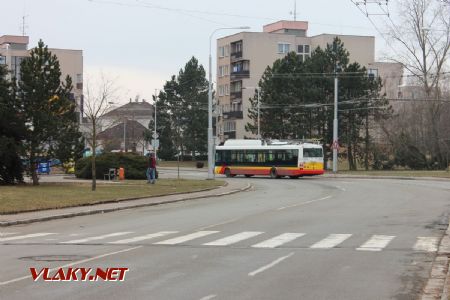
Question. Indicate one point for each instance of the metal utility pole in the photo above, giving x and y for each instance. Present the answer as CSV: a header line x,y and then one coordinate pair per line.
x,y
155,134
335,123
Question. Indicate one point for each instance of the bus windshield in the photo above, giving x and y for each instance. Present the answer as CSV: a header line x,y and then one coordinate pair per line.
x,y
312,152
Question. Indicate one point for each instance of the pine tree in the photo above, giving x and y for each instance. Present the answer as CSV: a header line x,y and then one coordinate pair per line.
x,y
11,133
48,110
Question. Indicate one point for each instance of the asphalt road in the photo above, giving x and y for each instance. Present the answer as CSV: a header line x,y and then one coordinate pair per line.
x,y
311,238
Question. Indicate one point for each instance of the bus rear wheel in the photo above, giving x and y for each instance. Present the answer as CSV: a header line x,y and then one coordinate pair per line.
x,y
248,175
227,173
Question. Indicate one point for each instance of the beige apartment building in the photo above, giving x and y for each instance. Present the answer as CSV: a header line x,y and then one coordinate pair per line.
x,y
13,49
243,57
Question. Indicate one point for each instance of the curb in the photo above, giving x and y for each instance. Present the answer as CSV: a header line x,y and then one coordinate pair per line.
x,y
100,211
386,177
437,284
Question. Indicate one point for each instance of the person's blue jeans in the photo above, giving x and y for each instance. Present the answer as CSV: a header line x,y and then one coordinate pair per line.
x,y
151,178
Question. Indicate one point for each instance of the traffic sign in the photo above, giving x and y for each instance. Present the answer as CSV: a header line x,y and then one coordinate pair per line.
x,y
155,145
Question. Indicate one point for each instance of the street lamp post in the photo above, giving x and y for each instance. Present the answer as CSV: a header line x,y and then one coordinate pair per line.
x,y
335,144
210,131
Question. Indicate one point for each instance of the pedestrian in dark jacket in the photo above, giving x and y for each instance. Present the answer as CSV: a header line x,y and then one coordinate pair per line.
x,y
151,169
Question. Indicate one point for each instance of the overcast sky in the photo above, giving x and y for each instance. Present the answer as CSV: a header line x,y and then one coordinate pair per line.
x,y
142,43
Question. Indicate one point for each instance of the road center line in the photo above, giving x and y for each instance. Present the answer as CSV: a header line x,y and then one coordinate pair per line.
x,y
72,264
304,203
272,264
209,297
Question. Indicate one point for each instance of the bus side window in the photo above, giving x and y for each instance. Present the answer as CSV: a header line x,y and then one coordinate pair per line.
x,y
261,158
218,157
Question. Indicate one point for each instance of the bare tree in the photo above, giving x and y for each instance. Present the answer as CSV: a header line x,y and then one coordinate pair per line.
x,y
98,99
420,38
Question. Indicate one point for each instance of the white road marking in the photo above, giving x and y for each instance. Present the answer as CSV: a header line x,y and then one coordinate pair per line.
x,y
72,264
233,239
331,241
376,243
217,224
143,237
340,188
27,236
275,262
278,240
209,297
185,238
304,203
7,233
427,244
96,238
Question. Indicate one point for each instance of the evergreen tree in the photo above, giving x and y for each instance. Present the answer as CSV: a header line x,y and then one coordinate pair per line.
x,y
192,88
11,133
297,100
48,110
182,112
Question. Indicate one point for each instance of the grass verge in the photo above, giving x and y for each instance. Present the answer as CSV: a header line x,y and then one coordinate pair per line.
x,y
14,199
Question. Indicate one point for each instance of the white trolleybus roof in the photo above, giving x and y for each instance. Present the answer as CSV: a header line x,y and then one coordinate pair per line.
x,y
268,144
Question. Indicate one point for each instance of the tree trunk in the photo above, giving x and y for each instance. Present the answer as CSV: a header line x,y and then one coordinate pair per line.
x,y
33,170
94,146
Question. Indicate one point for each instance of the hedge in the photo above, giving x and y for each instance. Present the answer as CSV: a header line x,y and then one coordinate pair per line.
x,y
134,165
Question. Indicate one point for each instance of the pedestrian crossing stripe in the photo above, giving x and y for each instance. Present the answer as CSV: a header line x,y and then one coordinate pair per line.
x,y
374,243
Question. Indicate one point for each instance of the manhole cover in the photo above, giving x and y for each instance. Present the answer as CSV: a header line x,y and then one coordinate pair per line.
x,y
55,257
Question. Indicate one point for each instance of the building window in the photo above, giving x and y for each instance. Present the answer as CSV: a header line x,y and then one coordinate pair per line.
x,y
284,48
2,60
303,52
221,51
221,90
236,86
79,78
223,71
229,126
227,89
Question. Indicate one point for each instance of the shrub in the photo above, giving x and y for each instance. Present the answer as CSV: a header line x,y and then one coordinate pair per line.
x,y
134,165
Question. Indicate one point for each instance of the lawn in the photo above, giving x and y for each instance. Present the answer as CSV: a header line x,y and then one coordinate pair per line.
x,y
23,198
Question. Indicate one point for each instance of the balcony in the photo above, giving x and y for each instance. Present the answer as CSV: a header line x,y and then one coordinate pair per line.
x,y
238,114
236,95
240,74
235,56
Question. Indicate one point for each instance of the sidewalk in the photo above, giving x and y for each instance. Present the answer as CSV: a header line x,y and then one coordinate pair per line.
x,y
231,187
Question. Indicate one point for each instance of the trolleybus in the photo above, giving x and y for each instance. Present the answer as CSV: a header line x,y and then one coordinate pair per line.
x,y
271,158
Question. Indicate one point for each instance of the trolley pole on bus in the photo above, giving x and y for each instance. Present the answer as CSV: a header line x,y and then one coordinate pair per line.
x,y
335,144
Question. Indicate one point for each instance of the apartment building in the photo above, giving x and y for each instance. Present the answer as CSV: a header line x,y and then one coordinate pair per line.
x,y
243,57
13,49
